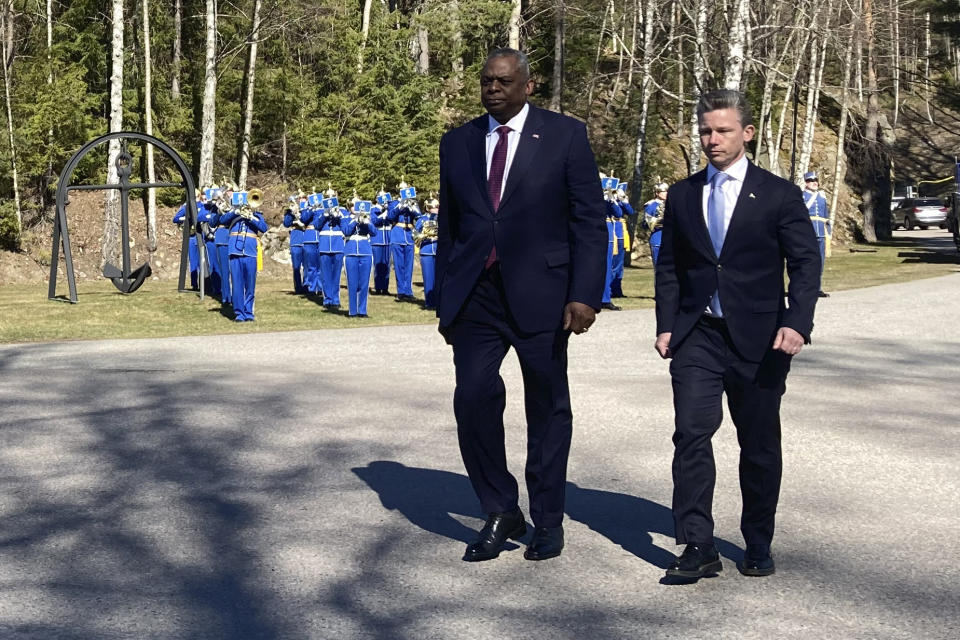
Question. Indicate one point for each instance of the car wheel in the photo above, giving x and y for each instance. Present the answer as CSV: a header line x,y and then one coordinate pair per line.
x,y
907,224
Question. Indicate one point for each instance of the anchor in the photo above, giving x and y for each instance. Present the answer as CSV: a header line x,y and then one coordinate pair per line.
x,y
125,279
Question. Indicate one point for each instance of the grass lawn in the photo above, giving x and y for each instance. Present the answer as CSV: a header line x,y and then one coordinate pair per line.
x,y
158,310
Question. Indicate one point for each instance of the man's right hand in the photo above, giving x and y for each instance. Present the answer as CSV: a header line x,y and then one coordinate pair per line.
x,y
663,344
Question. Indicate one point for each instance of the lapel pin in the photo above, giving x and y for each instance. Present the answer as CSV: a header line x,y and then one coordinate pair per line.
x,y
536,136
753,196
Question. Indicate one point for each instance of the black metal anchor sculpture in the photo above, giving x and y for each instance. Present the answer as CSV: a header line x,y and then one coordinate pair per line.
x,y
125,279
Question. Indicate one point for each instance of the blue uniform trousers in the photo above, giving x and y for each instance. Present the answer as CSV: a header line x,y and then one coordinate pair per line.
x,y
655,246
616,287
193,253
223,259
311,267
296,258
427,265
608,280
243,270
481,336
358,283
214,268
403,268
822,241
381,267
331,264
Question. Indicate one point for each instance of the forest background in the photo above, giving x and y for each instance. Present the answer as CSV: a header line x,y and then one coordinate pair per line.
x,y
293,94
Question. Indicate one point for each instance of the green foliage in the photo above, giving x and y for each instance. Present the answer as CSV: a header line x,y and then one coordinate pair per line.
x,y
8,226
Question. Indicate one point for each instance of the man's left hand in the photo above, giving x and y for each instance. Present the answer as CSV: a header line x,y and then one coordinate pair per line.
x,y
788,341
578,317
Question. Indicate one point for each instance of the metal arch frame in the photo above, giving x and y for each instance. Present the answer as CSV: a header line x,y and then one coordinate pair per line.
x,y
61,234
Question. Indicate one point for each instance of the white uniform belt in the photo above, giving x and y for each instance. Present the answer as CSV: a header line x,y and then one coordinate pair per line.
x,y
331,232
820,219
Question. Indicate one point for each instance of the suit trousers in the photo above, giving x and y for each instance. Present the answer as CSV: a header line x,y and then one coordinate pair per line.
x,y
704,367
481,336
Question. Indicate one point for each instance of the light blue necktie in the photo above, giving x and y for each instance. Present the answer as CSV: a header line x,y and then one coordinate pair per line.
x,y
716,218
716,210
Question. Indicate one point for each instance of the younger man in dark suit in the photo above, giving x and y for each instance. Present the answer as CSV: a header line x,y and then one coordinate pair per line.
x,y
521,256
721,317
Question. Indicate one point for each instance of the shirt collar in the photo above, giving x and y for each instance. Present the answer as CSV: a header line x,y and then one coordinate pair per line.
x,y
515,123
736,171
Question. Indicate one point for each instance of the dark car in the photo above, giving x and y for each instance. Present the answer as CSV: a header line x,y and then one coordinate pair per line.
x,y
919,212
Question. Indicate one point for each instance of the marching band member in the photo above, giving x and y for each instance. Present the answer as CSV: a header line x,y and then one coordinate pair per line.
x,y
291,220
426,239
245,224
330,229
653,212
207,219
403,218
380,243
193,252
622,243
310,217
629,222
358,255
816,203
221,240
609,184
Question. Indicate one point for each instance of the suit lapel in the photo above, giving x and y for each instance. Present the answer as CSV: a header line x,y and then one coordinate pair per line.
x,y
527,149
477,150
750,196
695,209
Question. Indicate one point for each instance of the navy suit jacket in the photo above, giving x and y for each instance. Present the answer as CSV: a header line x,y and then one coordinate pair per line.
x,y
770,227
550,229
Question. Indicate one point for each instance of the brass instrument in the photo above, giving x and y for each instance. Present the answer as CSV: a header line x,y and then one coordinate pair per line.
x,y
254,198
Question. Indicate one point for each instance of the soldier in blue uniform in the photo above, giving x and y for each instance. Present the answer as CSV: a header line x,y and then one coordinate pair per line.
x,y
381,242
609,185
207,219
245,225
193,252
653,212
330,229
816,203
358,255
403,218
621,247
426,240
220,201
291,220
310,217
629,222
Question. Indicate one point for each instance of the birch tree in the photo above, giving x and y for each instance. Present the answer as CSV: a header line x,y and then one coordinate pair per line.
x,y
699,72
556,85
175,62
243,159
209,116
7,29
736,43
148,126
515,17
364,31
111,230
645,87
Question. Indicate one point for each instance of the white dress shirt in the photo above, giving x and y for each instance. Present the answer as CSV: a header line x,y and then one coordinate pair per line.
x,y
731,192
513,139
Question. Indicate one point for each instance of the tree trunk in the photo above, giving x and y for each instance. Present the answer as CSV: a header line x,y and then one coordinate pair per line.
x,y
699,71
208,129
596,63
895,46
456,38
6,27
49,174
420,49
516,16
364,31
840,165
243,157
556,86
110,244
926,64
736,43
876,183
645,86
818,59
175,64
148,127
773,150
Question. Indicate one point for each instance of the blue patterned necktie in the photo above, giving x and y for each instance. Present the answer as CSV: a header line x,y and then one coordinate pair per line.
x,y
716,211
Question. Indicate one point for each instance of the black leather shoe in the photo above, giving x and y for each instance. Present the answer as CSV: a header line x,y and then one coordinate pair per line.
x,y
547,543
493,536
696,561
610,306
822,294
757,561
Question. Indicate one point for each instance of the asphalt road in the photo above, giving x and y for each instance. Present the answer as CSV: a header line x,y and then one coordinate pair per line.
x,y
308,486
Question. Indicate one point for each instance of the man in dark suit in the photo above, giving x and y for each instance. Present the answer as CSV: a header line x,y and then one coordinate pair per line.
x,y
721,317
521,257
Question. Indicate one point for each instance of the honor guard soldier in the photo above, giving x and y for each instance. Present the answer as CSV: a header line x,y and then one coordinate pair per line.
x,y
310,217
192,252
403,218
621,249
381,242
246,224
358,255
220,199
426,240
629,222
816,203
207,219
653,219
609,186
330,229
291,220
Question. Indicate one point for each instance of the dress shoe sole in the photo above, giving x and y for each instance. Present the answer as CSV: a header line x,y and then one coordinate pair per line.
x,y
516,534
756,573
527,555
703,571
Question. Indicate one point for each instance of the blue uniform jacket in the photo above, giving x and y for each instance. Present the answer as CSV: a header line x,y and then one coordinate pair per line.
x,y
358,237
382,223
243,233
310,217
817,206
428,246
330,227
291,220
614,211
403,217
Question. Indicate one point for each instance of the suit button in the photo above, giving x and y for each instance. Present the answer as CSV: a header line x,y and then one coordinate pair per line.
x,y
719,267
